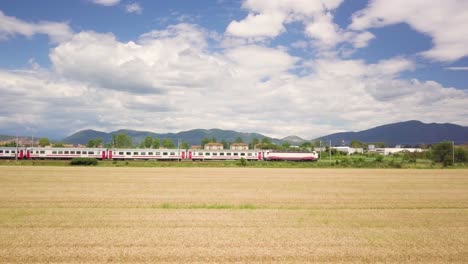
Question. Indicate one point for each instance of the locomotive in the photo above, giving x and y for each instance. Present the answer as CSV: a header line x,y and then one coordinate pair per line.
x,y
153,154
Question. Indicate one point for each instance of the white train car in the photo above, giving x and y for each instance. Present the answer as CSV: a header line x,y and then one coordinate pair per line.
x,y
11,153
147,154
290,156
65,153
204,154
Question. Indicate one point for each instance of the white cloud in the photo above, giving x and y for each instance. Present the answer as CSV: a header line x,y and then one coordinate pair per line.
x,y
106,2
169,80
267,19
457,68
444,21
11,26
134,8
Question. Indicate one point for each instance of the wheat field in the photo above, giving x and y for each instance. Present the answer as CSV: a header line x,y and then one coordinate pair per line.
x,y
241,215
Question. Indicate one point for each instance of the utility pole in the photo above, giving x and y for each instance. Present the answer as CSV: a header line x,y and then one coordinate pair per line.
x,y
178,149
16,153
329,150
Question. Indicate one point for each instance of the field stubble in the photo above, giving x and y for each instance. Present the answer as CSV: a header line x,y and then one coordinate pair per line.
x,y
62,214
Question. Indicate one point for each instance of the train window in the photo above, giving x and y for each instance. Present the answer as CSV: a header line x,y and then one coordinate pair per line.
x,y
37,151
129,153
72,152
13,152
172,153
150,153
84,152
143,153
60,152
228,154
7,151
42,152
78,152
53,152
90,152
221,154
236,154
120,153
66,152
1,151
164,153
249,154
242,154
200,153
215,154
135,153
158,153
207,153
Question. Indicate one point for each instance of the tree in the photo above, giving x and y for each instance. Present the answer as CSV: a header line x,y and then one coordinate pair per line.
x,y
148,142
254,142
442,152
44,142
94,143
380,144
184,145
167,143
286,145
239,140
156,143
461,155
10,144
357,144
225,144
123,140
213,139
58,145
266,140
307,145
205,141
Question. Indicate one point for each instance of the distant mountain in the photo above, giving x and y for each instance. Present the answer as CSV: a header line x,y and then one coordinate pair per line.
x,y
409,132
193,137
294,140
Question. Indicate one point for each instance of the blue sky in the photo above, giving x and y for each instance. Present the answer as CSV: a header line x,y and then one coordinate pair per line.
x,y
279,67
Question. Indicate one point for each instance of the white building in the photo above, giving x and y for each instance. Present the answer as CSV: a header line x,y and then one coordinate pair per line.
x,y
390,151
214,146
349,150
239,146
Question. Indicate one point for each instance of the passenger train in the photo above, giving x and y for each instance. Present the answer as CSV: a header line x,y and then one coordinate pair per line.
x,y
152,154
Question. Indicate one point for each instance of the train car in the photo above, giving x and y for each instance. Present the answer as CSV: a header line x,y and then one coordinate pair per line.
x,y
65,153
147,154
204,154
292,156
11,152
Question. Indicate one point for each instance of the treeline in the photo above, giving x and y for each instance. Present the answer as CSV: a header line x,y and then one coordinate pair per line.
x,y
444,152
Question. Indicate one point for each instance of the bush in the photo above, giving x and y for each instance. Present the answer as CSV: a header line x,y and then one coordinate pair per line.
x,y
84,162
379,158
242,162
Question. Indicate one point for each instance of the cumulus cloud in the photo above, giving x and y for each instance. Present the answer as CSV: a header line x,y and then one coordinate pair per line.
x,y
444,21
183,77
106,2
11,26
457,68
169,80
134,8
267,19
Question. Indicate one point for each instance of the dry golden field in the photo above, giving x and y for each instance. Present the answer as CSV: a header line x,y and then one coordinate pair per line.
x,y
186,215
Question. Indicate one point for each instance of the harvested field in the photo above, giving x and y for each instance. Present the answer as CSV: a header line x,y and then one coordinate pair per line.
x,y
64,214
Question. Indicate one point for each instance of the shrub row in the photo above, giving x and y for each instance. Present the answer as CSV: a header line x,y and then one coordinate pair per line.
x,y
84,162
